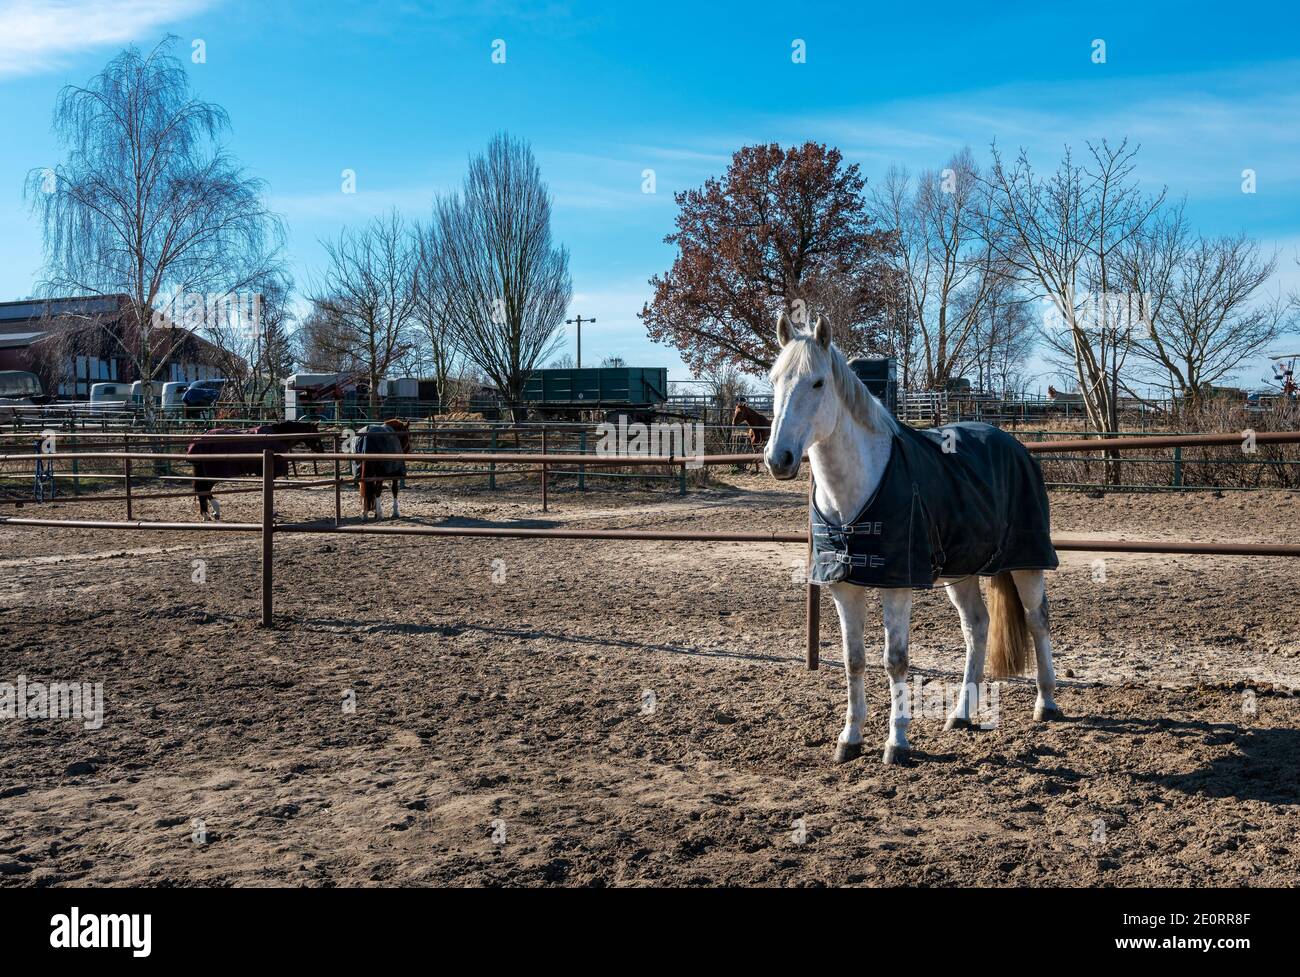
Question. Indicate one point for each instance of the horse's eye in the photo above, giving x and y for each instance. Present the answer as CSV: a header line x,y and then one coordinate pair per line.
x,y
818,384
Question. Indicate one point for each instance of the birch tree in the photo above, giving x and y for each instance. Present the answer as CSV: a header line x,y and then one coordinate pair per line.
x,y
148,204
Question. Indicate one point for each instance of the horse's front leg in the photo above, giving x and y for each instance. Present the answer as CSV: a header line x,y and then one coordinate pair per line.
x,y
897,607
966,597
851,605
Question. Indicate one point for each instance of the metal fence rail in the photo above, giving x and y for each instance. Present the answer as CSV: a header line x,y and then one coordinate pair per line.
x,y
268,528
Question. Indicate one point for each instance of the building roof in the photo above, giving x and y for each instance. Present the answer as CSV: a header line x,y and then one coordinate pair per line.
x,y
28,309
17,340
71,313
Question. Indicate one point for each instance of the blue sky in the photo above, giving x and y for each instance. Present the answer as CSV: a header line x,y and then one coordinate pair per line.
x,y
402,93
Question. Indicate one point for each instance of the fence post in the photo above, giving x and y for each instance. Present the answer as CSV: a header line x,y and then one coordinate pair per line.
x,y
126,472
681,479
582,469
268,531
338,487
492,465
1178,466
76,481
544,501
813,650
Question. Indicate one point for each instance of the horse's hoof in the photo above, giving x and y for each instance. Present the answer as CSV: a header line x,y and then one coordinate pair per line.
x,y
897,756
844,752
1046,714
958,722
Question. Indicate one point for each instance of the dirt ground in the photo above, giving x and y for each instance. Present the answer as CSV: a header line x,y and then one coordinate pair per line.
x,y
488,712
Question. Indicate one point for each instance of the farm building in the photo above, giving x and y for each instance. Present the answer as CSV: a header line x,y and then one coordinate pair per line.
x,y
74,342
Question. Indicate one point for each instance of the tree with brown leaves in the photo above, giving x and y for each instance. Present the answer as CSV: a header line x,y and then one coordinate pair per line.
x,y
783,229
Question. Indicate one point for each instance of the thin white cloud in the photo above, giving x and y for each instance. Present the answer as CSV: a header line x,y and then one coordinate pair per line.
x,y
415,202
44,35
1197,131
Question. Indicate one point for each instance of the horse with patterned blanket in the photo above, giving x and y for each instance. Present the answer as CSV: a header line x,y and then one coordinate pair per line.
x,y
897,510
393,437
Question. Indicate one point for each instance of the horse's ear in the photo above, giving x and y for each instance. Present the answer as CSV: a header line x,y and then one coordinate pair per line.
x,y
822,332
784,329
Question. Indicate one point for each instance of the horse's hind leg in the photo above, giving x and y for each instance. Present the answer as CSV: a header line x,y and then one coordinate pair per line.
x,y
851,604
203,493
1033,594
965,596
396,512
897,607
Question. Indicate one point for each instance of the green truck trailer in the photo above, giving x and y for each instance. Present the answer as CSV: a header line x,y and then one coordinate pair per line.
x,y
597,387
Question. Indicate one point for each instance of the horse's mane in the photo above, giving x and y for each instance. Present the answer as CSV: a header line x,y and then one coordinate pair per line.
x,y
803,355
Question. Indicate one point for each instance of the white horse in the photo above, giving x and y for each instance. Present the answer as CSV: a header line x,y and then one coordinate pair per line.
x,y
822,409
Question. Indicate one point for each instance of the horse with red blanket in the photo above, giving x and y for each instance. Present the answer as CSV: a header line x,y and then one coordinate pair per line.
x,y
233,441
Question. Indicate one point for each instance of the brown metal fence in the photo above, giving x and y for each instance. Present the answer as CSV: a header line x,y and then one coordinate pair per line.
x,y
268,528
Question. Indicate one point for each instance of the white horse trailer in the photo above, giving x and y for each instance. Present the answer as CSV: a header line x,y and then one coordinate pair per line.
x,y
104,396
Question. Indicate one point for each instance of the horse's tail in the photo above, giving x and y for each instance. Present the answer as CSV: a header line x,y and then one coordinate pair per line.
x,y
1008,644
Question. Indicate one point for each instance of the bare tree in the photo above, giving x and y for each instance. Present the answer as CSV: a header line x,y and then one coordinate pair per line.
x,y
1002,338
727,385
507,284
1062,237
1202,316
432,311
147,203
253,342
943,251
366,299
320,345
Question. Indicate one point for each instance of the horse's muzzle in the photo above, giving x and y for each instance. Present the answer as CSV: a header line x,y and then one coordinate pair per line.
x,y
782,465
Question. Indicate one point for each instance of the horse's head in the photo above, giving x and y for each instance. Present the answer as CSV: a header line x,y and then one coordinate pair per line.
x,y
403,431
306,433
812,386
738,415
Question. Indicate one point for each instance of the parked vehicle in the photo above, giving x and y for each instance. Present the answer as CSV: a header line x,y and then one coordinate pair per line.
x,y
171,395
106,395
18,388
201,395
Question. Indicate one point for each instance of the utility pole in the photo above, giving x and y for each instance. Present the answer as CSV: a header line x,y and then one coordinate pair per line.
x,y
578,322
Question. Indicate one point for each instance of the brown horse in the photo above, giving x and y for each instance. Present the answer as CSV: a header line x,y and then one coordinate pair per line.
x,y
760,428
393,437
209,471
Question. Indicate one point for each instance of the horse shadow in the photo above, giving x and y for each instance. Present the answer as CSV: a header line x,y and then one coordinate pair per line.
x,y
1262,768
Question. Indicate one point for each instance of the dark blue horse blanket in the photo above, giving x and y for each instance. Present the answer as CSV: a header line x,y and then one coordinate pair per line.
x,y
953,501
380,439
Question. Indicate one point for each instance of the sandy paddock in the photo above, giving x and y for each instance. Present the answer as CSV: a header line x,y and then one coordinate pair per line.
x,y
629,713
